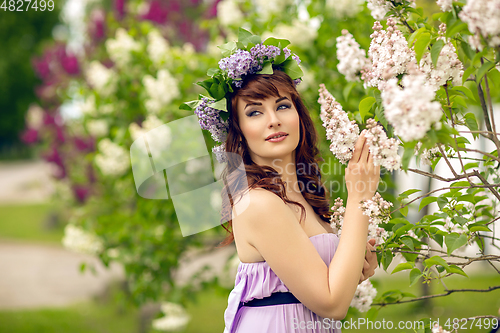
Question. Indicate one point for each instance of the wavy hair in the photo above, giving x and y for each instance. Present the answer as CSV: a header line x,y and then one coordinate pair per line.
x,y
258,87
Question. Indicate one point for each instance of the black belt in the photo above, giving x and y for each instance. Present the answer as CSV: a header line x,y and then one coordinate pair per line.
x,y
274,299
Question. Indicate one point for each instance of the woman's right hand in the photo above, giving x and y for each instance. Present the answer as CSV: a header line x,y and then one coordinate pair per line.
x,y
361,175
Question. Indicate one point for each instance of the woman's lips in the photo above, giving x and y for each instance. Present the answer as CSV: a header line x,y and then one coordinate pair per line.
x,y
278,139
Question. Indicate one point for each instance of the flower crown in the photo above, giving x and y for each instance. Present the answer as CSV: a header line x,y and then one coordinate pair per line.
x,y
245,57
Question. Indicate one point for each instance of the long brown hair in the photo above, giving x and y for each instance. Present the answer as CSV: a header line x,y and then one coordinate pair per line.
x,y
258,87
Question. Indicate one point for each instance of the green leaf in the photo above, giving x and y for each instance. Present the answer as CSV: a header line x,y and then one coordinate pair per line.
x,y
213,71
442,202
404,210
455,28
379,116
468,73
227,49
457,270
466,91
436,50
220,105
469,53
190,106
402,267
421,45
281,43
408,242
425,201
454,241
407,155
365,106
347,90
292,69
387,258
460,220
474,227
266,69
415,274
245,37
407,193
483,70
436,260
371,314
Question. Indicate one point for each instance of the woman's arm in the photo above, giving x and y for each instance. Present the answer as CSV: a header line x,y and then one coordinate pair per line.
x,y
270,226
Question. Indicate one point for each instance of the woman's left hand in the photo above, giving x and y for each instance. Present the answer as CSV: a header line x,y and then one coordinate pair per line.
x,y
371,262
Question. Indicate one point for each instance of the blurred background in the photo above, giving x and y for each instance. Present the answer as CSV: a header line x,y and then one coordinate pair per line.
x,y
80,80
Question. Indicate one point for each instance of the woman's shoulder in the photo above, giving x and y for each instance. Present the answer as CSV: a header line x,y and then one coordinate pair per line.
x,y
257,203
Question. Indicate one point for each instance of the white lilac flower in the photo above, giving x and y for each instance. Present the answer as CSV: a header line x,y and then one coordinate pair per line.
x,y
428,155
112,159
376,208
483,20
102,79
344,8
79,240
229,13
88,107
176,318
411,110
389,54
298,33
383,149
148,124
106,108
445,5
340,131
266,8
97,127
352,58
34,116
364,295
448,66
161,91
120,48
378,211
158,48
438,329
379,8
337,217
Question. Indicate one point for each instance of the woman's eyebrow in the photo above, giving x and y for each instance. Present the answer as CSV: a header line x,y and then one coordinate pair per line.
x,y
258,103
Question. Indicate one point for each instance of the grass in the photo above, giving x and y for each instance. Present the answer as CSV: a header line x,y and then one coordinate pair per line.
x,y
29,223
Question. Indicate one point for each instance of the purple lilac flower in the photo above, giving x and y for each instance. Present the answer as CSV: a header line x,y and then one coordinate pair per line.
x,y
220,153
210,120
260,51
296,58
287,52
238,64
297,81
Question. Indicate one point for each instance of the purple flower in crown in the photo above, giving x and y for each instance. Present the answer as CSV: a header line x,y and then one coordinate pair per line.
x,y
260,51
238,64
210,120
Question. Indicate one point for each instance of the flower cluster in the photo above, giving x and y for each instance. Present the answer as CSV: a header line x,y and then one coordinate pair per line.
x,y
148,124
445,5
342,132
352,59
344,8
158,48
112,160
161,91
427,155
101,78
210,120
483,19
448,66
438,329
364,295
389,54
175,319
383,149
411,110
376,208
378,211
338,215
380,8
120,49
79,240
229,13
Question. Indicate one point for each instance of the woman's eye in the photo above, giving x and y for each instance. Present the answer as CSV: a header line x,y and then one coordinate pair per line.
x,y
251,113
286,106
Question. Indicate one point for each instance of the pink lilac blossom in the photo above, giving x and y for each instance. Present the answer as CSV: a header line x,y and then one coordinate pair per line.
x,y
352,58
364,295
383,149
389,54
483,20
411,110
338,215
438,329
448,66
340,131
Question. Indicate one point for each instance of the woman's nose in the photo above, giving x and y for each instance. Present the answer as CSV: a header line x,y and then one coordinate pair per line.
x,y
274,121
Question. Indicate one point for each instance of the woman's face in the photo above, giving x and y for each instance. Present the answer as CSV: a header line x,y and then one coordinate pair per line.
x,y
261,118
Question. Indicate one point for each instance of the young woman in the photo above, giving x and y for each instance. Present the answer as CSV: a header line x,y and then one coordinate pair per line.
x,y
295,275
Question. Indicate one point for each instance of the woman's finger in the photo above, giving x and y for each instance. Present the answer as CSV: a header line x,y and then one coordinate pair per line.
x,y
358,147
365,152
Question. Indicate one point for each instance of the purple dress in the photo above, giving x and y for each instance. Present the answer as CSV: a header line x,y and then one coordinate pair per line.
x,y
257,280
